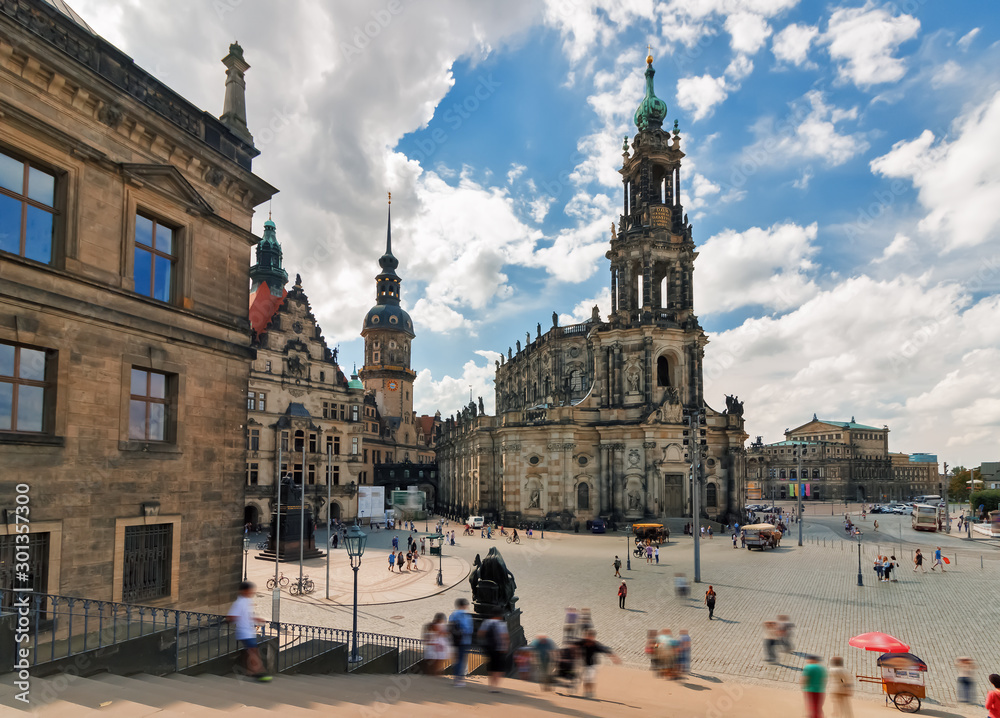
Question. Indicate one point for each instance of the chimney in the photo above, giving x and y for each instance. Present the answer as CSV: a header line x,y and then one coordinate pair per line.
x,y
234,111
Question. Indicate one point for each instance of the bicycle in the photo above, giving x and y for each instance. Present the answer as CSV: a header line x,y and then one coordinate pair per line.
x,y
262,545
300,589
513,539
282,582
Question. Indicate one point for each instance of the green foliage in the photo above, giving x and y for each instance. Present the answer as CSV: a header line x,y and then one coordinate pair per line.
x,y
958,487
990,498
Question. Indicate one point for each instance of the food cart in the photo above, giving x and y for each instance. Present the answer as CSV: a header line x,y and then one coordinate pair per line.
x,y
902,679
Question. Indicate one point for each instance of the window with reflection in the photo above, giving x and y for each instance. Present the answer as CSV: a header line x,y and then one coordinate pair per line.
x,y
26,386
27,209
155,255
149,406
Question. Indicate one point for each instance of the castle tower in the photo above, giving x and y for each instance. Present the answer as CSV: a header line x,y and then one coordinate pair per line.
x,y
388,332
268,269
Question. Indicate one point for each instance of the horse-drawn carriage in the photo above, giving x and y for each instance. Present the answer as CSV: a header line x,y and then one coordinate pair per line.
x,y
762,536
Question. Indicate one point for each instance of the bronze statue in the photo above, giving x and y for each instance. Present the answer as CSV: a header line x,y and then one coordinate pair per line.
x,y
492,584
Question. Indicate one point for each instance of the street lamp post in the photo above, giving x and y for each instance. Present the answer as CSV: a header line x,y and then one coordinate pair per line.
x,y
246,554
355,542
861,581
440,579
628,551
798,491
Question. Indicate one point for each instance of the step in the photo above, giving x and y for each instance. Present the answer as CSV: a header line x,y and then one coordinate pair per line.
x,y
83,697
145,691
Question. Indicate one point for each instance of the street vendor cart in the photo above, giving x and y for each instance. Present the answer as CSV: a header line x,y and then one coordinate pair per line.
x,y
900,673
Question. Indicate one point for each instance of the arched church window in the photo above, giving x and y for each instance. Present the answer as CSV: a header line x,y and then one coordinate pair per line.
x,y
583,496
662,371
576,380
663,293
781,474
711,496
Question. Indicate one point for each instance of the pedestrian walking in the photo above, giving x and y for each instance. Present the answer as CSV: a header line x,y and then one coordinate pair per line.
x,y
875,524
590,649
493,637
622,593
743,539
241,615
814,686
771,637
666,654
460,628
544,649
395,543
734,540
684,652
409,560
710,602
887,568
993,697
841,688
416,554
785,627
437,648
392,561
649,553
710,532
937,560
878,568
656,554
966,669
918,562
618,567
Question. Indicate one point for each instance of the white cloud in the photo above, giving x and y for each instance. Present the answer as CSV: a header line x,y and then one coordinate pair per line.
x,y
748,32
700,95
450,394
803,181
514,172
540,208
906,353
947,73
958,182
967,38
769,267
809,133
584,309
864,40
792,44
899,245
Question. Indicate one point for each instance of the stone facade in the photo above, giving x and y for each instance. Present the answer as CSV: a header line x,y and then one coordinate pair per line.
x,y
124,344
837,460
592,419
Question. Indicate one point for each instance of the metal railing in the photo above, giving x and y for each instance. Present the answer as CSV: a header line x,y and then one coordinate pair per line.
x,y
61,627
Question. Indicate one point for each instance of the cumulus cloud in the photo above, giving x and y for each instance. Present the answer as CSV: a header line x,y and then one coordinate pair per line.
x,y
809,132
958,181
584,309
771,268
864,40
899,244
967,38
699,95
748,32
902,352
450,394
792,44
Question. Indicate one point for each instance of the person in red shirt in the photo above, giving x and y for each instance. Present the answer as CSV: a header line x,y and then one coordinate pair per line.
x,y
993,697
622,593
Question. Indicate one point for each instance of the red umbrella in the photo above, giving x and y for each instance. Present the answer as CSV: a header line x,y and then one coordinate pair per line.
x,y
881,642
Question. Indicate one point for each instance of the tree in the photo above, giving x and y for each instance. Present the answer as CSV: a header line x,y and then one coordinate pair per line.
x,y
958,486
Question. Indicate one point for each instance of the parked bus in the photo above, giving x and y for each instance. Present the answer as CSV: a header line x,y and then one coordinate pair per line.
x,y
929,499
924,518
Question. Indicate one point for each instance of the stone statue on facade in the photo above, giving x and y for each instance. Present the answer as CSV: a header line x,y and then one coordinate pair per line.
x,y
334,353
482,409
538,329
733,405
633,380
555,319
535,501
634,501
518,345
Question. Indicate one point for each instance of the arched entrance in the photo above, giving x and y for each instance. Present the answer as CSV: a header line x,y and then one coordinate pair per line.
x,y
335,511
251,515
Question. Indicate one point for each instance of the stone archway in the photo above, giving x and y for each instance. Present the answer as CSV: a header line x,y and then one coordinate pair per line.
x,y
251,515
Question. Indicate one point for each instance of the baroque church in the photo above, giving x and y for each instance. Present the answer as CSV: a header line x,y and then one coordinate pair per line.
x,y
594,419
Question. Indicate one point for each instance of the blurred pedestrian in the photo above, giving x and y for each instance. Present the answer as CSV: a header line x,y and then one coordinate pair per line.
x,y
622,593
544,649
618,567
785,627
650,650
684,652
437,645
771,638
666,654
460,627
710,602
493,637
590,649
966,668
569,625
841,688
814,685
241,615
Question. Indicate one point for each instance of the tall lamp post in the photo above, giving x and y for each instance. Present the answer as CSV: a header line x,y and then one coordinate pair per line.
x,y
246,554
628,550
798,490
355,542
440,578
861,581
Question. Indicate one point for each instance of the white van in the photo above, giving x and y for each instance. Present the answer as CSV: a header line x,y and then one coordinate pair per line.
x,y
475,522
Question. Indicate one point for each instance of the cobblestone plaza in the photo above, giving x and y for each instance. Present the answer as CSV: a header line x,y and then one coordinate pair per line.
x,y
940,616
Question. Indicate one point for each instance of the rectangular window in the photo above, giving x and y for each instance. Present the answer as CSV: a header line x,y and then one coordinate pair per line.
x,y
284,443
149,406
365,459
26,388
147,562
336,446
312,443
336,476
155,255
326,410
375,357
37,548
297,474
251,400
261,401
253,439
342,412
329,444
253,474
354,446
267,366
322,376
312,473
27,209
354,413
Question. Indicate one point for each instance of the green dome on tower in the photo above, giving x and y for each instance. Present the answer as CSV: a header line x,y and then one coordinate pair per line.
x,y
652,110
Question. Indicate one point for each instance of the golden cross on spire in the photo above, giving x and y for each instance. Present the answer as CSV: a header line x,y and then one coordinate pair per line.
x,y
649,57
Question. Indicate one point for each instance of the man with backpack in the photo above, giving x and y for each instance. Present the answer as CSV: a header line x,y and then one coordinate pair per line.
x,y
460,628
618,567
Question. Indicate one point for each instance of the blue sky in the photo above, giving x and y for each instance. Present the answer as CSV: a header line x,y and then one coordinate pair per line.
x,y
841,175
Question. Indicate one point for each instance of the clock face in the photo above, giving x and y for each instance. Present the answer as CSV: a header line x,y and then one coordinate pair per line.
x,y
393,385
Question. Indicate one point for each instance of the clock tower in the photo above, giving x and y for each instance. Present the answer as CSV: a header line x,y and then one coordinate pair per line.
x,y
388,332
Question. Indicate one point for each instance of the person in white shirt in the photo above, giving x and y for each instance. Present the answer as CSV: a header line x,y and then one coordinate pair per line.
x,y
241,615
